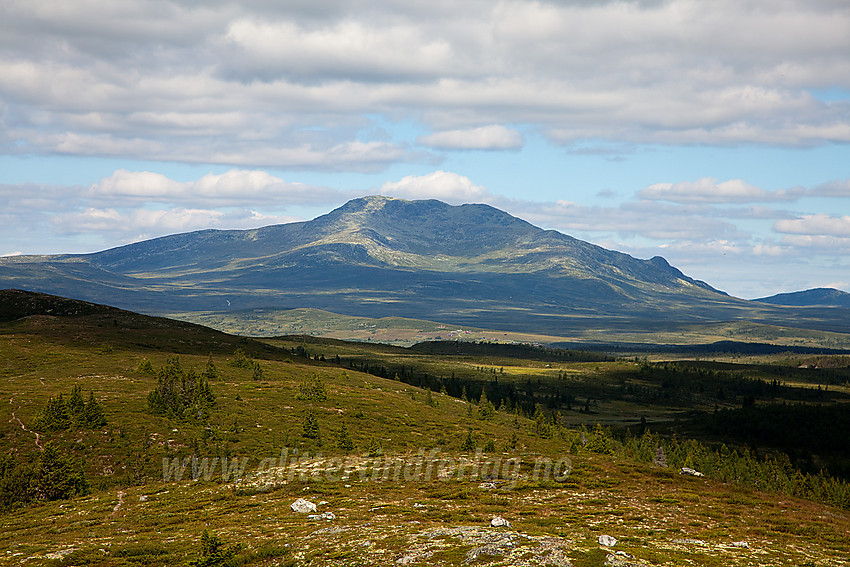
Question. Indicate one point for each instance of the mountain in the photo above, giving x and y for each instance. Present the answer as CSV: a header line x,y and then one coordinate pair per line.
x,y
377,256
821,296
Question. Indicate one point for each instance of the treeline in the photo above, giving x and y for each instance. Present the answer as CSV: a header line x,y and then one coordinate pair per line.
x,y
770,473
511,394
693,382
509,350
813,436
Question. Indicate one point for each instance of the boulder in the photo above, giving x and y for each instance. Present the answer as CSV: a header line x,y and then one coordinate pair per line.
x,y
607,541
303,506
499,522
690,471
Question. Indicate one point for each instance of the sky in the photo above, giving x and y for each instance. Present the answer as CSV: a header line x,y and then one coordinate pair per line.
x,y
713,133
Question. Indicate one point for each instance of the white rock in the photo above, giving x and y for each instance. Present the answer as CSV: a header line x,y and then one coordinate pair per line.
x,y
498,522
741,544
607,541
302,506
690,471
322,516
60,555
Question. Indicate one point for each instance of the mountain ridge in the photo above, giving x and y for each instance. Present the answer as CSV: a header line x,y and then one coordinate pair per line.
x,y
378,256
819,296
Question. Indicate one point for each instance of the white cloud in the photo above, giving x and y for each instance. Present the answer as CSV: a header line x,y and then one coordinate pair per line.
x,y
837,188
494,137
234,187
815,225
443,185
140,224
709,190
809,244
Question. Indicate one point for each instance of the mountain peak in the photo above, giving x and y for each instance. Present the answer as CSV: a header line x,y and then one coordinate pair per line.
x,y
376,255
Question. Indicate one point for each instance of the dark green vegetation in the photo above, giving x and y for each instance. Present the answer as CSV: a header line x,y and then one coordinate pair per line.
x,y
467,265
99,496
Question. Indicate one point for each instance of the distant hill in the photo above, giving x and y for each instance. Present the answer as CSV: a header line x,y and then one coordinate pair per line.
x,y
822,296
381,257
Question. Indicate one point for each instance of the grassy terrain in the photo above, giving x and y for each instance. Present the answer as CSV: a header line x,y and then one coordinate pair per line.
x,y
380,517
269,322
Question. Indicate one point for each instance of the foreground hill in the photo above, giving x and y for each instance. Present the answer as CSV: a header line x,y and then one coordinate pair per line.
x,y
378,257
400,475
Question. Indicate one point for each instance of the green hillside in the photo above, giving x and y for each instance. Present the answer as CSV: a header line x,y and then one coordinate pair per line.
x,y
403,474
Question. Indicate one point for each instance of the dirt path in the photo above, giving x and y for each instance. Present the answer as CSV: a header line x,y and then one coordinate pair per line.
x,y
120,503
24,427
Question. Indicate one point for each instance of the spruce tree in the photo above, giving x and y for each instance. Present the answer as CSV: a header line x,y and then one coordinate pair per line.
x,y
468,444
485,406
92,416
343,439
311,426
258,371
210,371
56,477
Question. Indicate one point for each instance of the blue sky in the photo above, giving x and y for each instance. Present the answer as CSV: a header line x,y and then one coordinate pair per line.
x,y
715,134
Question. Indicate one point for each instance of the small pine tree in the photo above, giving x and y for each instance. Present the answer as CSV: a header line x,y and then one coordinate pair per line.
x,y
258,371
468,444
92,415
429,399
210,371
375,448
75,403
240,359
485,407
312,390
311,426
214,553
145,367
56,477
490,445
54,416
343,439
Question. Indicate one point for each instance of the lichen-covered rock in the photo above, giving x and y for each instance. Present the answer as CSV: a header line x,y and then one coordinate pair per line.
x,y
303,506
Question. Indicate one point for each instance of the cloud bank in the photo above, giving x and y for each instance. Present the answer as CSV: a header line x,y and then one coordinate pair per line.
x,y
270,84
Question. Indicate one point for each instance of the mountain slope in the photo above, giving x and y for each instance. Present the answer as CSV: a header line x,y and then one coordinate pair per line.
x,y
822,296
377,256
